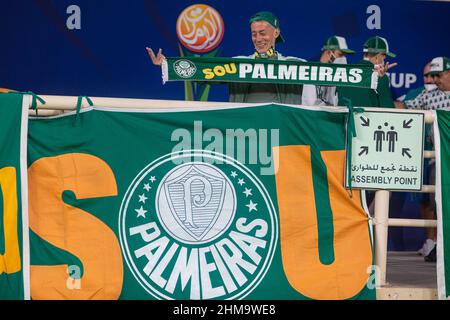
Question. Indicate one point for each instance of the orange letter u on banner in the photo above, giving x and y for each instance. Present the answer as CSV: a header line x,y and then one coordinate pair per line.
x,y
346,275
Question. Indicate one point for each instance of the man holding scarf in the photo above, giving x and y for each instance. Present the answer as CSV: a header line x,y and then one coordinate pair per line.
x,y
265,31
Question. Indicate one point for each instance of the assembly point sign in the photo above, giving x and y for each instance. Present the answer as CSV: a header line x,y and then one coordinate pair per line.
x,y
387,152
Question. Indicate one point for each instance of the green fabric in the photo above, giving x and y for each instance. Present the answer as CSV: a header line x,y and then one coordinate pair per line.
x,y
351,133
443,119
197,91
11,282
132,143
381,98
266,92
267,71
263,93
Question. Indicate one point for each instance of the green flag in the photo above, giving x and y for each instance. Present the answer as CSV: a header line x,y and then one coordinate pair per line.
x,y
268,71
442,147
209,203
14,251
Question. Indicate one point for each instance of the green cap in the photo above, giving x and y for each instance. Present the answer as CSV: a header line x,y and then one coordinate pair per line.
x,y
378,45
439,64
270,18
337,43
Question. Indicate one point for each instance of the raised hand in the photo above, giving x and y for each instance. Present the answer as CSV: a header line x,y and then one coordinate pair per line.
x,y
158,59
381,69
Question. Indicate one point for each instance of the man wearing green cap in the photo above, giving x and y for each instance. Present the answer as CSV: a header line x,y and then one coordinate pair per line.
x,y
438,98
334,50
265,32
376,49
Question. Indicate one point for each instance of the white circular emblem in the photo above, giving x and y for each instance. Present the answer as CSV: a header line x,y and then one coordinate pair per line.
x,y
184,68
200,28
197,225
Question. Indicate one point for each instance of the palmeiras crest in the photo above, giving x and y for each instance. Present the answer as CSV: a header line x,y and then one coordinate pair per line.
x,y
195,202
186,221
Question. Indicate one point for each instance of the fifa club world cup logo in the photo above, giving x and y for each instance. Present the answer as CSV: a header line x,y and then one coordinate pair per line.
x,y
198,230
200,28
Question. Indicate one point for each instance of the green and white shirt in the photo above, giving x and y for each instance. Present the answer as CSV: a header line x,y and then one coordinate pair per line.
x,y
430,100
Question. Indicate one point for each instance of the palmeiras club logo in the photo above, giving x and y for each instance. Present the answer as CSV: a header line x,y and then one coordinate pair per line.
x,y
200,28
184,68
198,225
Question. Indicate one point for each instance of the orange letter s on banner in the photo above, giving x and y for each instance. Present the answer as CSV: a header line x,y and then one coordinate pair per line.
x,y
73,229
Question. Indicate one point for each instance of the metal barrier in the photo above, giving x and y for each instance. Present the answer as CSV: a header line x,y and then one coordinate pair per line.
x,y
59,104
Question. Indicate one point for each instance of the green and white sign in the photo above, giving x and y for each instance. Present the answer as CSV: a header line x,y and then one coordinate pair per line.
x,y
387,152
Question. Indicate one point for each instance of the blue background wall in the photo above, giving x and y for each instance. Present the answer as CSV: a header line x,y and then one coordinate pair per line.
x,y
107,56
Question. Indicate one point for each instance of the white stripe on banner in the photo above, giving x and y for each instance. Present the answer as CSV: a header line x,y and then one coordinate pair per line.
x,y
26,102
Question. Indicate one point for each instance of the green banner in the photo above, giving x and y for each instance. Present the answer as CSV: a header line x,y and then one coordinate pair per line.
x,y
14,252
442,146
268,71
226,203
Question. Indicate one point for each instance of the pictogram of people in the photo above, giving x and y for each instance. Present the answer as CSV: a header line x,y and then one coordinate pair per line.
x,y
379,136
392,137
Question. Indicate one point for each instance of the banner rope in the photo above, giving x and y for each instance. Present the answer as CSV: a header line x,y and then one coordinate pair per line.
x,y
351,133
34,101
79,104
